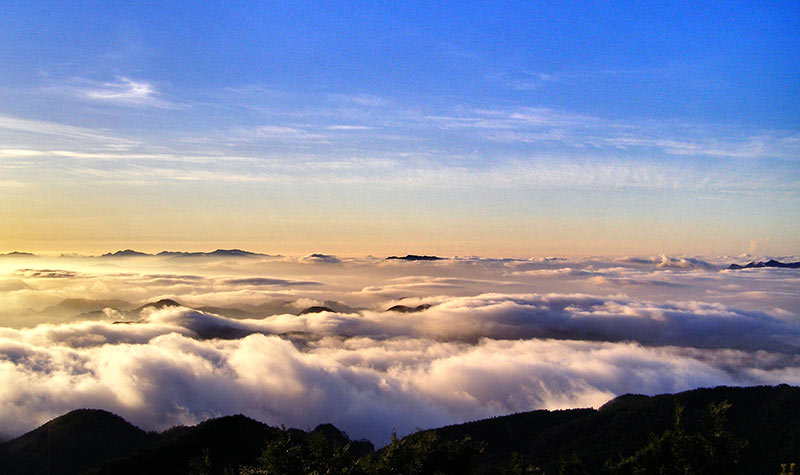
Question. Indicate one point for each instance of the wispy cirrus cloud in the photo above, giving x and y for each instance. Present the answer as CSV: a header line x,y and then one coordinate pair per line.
x,y
24,128
281,133
348,127
552,173
525,80
594,134
123,91
352,139
364,100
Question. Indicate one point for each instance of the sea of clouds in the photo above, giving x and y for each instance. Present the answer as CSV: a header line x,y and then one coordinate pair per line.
x,y
500,336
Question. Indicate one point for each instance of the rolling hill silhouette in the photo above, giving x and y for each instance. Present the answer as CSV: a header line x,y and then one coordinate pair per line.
x,y
762,420
72,443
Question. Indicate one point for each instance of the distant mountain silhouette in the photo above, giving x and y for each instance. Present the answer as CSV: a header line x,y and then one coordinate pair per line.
x,y
762,421
15,284
135,315
328,306
126,253
414,257
217,253
769,263
78,309
253,311
159,304
232,253
321,258
407,309
75,309
231,312
316,309
18,254
75,305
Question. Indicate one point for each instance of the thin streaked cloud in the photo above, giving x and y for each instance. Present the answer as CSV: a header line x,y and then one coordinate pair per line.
x,y
278,133
122,91
562,150
542,125
554,173
47,128
348,127
364,100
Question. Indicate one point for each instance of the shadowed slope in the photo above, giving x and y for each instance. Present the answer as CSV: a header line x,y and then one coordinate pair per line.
x,y
72,443
761,422
764,417
223,443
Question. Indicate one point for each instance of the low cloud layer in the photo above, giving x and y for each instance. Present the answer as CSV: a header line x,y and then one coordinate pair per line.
x,y
500,336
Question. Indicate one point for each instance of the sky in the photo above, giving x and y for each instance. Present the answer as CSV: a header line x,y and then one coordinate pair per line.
x,y
590,170
509,130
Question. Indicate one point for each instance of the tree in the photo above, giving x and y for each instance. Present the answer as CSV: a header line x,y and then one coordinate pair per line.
x,y
425,453
298,453
675,452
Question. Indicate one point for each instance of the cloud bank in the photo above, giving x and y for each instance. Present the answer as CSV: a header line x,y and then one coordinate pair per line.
x,y
487,345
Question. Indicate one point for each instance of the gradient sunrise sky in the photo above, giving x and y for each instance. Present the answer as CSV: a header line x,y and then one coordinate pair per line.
x,y
490,128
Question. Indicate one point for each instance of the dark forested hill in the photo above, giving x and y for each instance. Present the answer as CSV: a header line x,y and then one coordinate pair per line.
x,y
747,430
765,419
72,443
217,444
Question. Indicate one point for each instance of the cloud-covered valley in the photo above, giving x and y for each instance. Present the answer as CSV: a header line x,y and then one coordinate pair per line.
x,y
370,344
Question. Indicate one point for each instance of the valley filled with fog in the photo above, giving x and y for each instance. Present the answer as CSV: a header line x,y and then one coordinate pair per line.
x,y
374,344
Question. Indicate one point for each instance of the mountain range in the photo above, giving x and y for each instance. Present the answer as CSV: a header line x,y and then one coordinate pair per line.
x,y
757,427
415,257
79,309
216,253
769,263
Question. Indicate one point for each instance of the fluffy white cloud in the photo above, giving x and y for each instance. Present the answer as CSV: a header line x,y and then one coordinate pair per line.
x,y
500,336
364,385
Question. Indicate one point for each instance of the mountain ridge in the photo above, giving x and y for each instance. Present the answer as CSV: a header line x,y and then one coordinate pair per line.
x,y
416,257
215,253
764,418
769,263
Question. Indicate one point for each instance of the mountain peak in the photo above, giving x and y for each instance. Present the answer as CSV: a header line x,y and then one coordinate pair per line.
x,y
407,309
125,253
159,304
316,309
72,443
416,257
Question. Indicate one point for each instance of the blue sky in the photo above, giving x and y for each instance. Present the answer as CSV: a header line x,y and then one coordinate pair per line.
x,y
514,128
